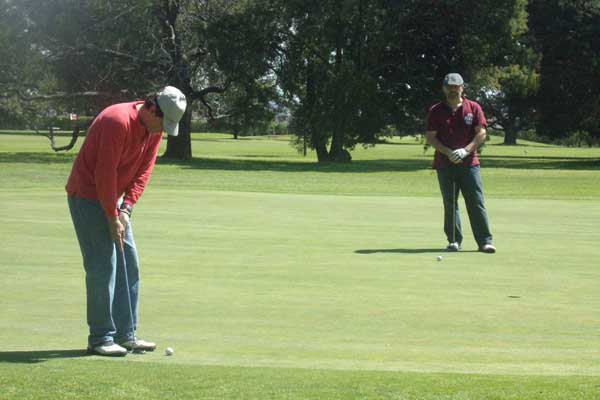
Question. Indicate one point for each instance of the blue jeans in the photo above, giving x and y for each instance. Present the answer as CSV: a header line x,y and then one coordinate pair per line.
x,y
465,180
107,304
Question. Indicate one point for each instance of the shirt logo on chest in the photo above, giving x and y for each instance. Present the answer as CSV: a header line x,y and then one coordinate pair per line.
x,y
469,119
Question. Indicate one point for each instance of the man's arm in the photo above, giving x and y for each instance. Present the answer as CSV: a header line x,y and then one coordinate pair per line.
x,y
135,190
110,145
456,156
480,123
439,146
478,139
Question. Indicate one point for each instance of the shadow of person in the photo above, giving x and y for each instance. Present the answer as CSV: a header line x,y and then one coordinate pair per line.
x,y
407,251
37,356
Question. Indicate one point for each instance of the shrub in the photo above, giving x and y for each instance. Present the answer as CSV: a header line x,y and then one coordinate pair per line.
x,y
579,139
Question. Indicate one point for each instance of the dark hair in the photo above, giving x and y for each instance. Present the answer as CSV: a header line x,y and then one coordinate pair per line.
x,y
152,101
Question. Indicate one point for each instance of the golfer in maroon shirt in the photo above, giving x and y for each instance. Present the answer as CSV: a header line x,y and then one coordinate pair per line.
x,y
108,177
456,128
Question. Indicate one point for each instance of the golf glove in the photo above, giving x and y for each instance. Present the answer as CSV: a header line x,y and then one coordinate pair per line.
x,y
458,155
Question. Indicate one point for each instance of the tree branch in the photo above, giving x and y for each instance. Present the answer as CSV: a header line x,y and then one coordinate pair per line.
x,y
50,136
65,95
208,107
196,95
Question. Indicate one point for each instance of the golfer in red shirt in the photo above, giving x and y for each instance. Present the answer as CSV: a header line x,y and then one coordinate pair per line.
x,y
456,128
108,177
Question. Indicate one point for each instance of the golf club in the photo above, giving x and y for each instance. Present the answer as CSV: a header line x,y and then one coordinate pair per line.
x,y
132,349
454,200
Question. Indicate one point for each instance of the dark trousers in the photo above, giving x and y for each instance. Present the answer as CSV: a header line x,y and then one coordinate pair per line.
x,y
465,180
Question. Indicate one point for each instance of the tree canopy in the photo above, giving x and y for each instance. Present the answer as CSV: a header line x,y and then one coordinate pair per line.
x,y
348,71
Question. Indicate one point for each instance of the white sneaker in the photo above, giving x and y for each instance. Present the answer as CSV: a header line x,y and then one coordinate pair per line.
x,y
108,350
488,248
138,345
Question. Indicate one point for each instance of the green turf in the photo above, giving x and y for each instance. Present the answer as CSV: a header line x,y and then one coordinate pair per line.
x,y
276,278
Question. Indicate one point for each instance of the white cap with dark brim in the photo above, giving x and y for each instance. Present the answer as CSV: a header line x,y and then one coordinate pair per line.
x,y
172,103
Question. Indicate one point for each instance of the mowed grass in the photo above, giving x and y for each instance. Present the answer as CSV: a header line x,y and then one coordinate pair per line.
x,y
273,277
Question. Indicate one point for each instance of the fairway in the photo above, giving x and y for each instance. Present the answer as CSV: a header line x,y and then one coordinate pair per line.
x,y
275,278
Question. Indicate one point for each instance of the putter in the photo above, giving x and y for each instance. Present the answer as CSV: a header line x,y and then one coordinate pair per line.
x,y
454,200
132,350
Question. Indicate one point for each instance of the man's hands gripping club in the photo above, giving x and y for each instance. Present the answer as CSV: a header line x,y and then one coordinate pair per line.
x,y
458,155
118,225
117,231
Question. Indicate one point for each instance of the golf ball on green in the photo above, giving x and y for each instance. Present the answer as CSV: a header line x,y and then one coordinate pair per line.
x,y
169,351
440,258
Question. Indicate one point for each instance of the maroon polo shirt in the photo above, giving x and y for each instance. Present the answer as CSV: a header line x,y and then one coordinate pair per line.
x,y
455,129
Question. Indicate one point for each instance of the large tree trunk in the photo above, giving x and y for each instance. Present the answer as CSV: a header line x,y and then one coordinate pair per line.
x,y
510,136
180,147
320,146
337,152
316,138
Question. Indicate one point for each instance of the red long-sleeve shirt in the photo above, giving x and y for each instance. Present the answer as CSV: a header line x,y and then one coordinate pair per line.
x,y
116,158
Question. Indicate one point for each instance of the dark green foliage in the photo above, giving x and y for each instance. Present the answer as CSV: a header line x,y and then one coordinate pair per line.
x,y
243,40
351,68
567,34
347,72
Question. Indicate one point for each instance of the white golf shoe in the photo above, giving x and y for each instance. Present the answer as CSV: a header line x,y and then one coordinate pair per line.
x,y
108,349
488,248
138,345
454,246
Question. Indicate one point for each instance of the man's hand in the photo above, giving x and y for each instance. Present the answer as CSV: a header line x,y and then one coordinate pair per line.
x,y
117,231
458,155
124,219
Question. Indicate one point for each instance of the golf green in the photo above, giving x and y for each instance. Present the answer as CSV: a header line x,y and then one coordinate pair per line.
x,y
274,277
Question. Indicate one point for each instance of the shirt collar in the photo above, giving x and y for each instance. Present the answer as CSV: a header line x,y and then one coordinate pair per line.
x,y
135,118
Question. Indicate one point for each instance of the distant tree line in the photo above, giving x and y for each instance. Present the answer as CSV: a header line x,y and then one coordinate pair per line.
x,y
346,71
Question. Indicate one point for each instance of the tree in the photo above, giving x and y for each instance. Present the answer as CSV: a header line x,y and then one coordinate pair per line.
x,y
101,47
352,67
567,34
243,40
428,39
327,72
508,89
508,98
22,70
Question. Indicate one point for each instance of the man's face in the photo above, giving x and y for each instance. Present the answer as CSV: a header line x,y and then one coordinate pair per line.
x,y
453,92
153,123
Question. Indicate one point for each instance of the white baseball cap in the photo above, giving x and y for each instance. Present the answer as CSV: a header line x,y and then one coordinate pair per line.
x,y
453,79
172,103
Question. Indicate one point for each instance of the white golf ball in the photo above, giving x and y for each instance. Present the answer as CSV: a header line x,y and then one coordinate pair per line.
x,y
439,258
169,351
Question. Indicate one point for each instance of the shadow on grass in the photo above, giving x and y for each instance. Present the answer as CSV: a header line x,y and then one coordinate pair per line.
x,y
260,156
526,162
408,251
37,158
380,165
357,166
60,133
272,163
33,357
521,145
